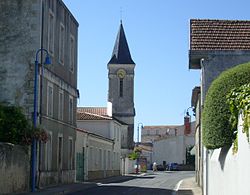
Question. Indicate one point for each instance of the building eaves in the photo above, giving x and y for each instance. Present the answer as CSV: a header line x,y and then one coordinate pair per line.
x,y
95,135
71,15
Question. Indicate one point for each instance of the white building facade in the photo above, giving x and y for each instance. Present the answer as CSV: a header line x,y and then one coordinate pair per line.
x,y
98,144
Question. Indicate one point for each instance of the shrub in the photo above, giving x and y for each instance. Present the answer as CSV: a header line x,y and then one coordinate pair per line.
x,y
135,154
16,129
217,129
13,124
239,100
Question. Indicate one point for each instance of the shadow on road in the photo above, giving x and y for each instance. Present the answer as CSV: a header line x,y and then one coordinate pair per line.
x,y
184,192
128,190
120,179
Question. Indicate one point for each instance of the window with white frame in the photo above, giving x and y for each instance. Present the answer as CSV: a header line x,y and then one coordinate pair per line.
x,y
60,104
50,99
61,43
51,31
72,53
71,109
70,154
48,152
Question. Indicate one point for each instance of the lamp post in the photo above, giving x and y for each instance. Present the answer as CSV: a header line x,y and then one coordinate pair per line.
x,y
33,146
187,121
137,144
193,110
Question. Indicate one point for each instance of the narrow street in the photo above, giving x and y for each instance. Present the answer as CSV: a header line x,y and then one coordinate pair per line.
x,y
152,183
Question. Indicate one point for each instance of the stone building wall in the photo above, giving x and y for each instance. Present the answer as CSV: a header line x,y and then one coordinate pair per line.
x,y
14,168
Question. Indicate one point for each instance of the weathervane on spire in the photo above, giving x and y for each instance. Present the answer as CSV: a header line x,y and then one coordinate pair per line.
x,y
121,15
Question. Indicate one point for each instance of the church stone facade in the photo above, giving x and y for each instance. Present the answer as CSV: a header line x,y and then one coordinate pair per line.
x,y
121,86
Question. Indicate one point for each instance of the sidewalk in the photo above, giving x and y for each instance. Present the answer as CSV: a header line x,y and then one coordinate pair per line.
x,y
186,186
62,189
189,187
77,187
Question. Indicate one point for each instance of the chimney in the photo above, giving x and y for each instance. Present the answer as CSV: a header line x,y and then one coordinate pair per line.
x,y
187,126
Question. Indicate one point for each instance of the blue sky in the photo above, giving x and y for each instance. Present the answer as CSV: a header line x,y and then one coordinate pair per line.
x,y
158,36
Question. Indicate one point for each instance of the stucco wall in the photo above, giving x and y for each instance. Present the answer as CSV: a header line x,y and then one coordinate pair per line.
x,y
172,149
217,62
99,127
213,63
169,150
14,168
101,157
228,173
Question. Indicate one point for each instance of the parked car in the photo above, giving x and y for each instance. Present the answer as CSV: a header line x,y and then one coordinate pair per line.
x,y
172,167
160,168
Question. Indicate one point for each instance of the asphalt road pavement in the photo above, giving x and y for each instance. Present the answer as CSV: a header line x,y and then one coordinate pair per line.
x,y
152,183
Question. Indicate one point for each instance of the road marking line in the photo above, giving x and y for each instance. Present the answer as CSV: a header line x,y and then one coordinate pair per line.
x,y
178,186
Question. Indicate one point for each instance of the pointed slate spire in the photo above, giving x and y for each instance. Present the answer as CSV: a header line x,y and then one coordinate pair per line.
x,y
121,54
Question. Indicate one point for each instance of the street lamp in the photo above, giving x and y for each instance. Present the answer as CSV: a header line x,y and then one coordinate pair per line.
x,y
193,110
33,147
187,121
137,159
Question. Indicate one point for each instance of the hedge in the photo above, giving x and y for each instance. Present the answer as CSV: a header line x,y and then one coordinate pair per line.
x,y
16,129
216,127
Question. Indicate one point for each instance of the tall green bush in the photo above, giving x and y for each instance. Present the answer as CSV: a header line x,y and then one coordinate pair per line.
x,y
216,126
16,129
13,124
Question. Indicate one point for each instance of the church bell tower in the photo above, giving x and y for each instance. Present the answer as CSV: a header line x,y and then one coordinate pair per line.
x,y
121,86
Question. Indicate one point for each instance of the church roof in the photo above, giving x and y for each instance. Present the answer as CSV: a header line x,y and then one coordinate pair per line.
x,y
121,53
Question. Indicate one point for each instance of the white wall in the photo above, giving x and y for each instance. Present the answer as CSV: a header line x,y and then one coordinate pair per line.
x,y
172,149
94,126
129,166
169,150
229,174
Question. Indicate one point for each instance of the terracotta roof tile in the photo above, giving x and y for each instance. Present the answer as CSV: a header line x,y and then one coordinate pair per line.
x,y
92,113
94,110
219,34
91,116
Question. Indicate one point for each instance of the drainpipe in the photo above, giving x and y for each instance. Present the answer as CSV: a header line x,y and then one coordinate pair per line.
x,y
204,150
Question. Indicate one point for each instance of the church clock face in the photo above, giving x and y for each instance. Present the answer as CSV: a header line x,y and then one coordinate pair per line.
x,y
121,73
